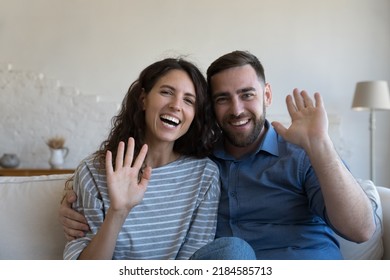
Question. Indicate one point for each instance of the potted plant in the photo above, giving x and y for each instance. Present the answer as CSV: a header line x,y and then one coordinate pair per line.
x,y
58,151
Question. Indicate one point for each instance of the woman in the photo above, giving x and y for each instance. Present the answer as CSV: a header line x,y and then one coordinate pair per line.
x,y
150,192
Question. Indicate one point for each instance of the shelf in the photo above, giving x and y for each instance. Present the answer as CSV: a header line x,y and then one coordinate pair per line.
x,y
33,172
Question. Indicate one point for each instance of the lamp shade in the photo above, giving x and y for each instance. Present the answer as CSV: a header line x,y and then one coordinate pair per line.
x,y
371,95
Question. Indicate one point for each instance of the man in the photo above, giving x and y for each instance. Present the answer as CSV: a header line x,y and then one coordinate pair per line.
x,y
284,190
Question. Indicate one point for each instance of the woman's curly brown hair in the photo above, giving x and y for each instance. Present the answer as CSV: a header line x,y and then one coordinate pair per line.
x,y
130,121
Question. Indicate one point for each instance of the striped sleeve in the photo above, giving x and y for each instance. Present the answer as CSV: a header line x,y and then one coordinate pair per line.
x,y
90,205
204,221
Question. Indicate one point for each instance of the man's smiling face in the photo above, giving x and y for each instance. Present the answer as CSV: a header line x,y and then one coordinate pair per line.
x,y
240,99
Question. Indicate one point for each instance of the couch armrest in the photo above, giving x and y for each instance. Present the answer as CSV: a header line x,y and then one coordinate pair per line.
x,y
384,194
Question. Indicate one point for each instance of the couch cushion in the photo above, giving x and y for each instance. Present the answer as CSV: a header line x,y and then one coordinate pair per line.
x,y
384,193
373,248
29,217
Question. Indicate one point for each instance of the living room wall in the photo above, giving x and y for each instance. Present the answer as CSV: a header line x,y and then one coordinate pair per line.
x,y
95,49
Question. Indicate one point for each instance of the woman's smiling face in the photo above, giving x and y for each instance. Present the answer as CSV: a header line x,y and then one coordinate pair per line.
x,y
169,107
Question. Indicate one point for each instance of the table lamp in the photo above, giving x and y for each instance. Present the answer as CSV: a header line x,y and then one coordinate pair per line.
x,y
372,96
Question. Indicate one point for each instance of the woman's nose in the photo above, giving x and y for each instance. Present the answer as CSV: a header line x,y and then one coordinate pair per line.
x,y
175,104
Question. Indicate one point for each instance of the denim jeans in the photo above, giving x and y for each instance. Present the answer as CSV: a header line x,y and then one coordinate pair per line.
x,y
225,248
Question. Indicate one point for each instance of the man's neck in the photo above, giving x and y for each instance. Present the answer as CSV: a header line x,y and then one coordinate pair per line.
x,y
239,152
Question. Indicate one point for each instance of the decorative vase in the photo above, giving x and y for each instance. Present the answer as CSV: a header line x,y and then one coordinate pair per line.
x,y
57,157
9,161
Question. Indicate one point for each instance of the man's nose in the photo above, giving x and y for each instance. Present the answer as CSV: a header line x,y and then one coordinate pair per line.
x,y
237,107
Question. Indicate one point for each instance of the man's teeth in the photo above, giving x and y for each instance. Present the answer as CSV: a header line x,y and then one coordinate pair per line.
x,y
238,123
170,120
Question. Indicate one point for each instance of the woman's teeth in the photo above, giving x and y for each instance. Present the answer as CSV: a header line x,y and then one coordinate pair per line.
x,y
170,120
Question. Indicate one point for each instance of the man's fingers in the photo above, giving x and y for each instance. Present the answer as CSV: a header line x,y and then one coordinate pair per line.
x,y
301,100
68,197
318,100
291,108
71,223
308,102
298,99
71,234
68,237
71,218
73,229
280,129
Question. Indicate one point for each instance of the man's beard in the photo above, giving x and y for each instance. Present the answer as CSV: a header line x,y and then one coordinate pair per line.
x,y
242,140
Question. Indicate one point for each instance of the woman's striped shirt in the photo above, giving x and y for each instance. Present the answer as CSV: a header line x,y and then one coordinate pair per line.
x,y
176,217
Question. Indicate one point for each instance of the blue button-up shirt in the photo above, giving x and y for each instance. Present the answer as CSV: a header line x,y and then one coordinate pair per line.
x,y
272,199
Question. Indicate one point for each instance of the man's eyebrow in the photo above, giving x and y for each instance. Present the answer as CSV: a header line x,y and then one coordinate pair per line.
x,y
225,93
243,90
219,94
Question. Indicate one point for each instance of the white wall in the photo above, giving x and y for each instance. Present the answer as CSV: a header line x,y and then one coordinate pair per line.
x,y
100,46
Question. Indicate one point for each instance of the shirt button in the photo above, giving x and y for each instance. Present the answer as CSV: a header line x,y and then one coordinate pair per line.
x,y
233,194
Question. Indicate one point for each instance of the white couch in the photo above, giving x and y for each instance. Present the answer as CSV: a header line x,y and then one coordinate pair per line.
x,y
30,228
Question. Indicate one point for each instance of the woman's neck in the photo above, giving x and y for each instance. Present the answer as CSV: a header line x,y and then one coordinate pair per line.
x,y
160,155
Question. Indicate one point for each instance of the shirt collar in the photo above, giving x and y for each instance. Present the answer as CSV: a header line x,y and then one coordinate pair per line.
x,y
269,144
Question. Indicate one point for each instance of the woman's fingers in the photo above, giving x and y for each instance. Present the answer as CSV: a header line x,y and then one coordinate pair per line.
x,y
126,160
109,167
129,152
141,157
119,155
144,181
